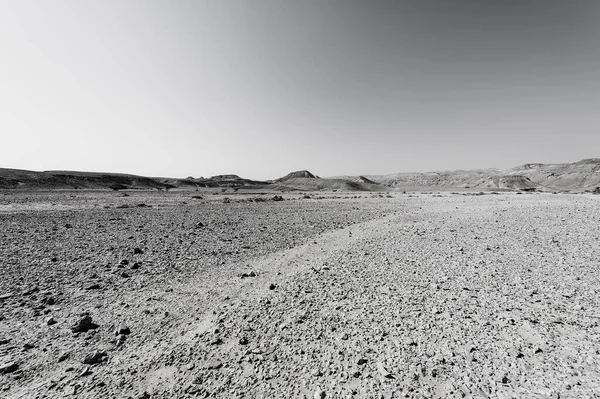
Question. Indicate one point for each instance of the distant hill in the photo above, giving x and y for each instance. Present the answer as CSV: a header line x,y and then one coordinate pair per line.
x,y
26,179
303,180
577,177
319,184
68,180
299,174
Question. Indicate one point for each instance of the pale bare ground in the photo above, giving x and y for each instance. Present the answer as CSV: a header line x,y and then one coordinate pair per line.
x,y
356,296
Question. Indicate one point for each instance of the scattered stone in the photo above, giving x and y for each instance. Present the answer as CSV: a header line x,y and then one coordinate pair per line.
x,y
94,358
85,372
124,262
122,329
8,367
136,265
272,286
213,365
68,226
30,291
243,341
71,390
361,361
63,356
137,251
84,324
50,321
383,371
50,300
121,338
93,286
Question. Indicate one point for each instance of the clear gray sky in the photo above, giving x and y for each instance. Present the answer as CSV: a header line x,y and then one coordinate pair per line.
x,y
263,87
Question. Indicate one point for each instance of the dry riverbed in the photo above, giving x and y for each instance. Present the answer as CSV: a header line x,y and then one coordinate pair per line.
x,y
160,295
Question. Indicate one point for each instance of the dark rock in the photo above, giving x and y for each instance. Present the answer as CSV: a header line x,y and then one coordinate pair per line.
x,y
124,262
50,321
272,286
84,324
122,329
8,367
63,356
93,286
68,226
137,251
50,300
136,265
243,341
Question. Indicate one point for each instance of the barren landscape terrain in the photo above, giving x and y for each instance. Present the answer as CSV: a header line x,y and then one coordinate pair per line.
x,y
147,294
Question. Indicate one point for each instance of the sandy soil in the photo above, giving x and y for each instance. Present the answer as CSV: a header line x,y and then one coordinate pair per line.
x,y
345,295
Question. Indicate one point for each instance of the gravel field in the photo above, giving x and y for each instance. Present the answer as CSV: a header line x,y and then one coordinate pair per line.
x,y
161,295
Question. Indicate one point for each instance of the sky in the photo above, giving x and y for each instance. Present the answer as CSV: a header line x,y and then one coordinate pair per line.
x,y
260,88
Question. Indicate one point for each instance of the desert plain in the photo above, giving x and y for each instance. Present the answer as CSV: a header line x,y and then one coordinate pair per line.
x,y
146,294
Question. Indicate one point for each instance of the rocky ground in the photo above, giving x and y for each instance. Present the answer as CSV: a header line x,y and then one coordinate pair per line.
x,y
160,295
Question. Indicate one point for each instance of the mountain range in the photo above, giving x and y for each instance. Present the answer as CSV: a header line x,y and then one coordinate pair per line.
x,y
566,177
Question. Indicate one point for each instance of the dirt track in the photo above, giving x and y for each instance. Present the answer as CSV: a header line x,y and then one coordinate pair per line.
x,y
454,296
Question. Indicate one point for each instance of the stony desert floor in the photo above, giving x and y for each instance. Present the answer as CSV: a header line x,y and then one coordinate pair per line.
x,y
161,295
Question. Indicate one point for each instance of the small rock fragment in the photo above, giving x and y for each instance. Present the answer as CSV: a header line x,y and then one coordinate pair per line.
x,y
137,251
94,358
85,372
50,321
84,324
8,367
122,329
213,365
